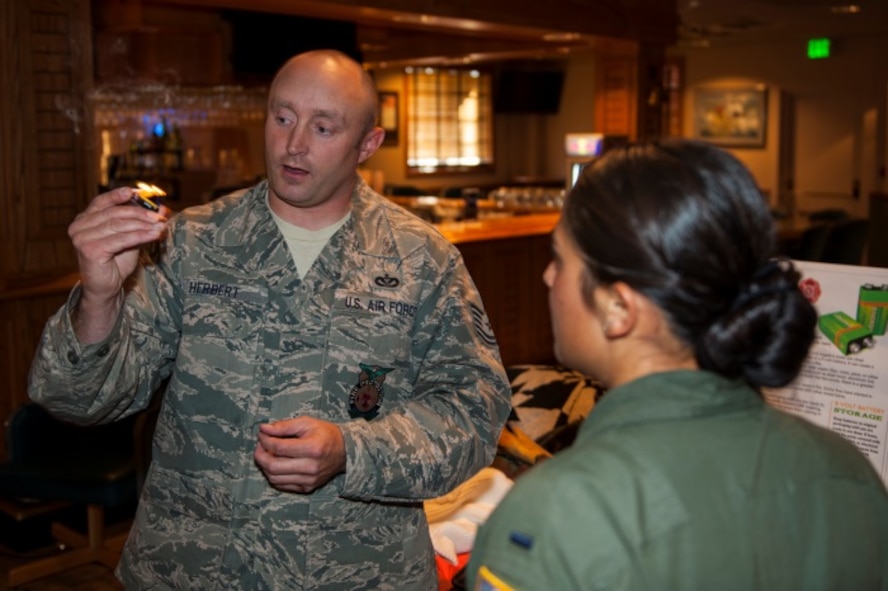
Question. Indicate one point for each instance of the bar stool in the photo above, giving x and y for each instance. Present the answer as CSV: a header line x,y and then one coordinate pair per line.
x,y
54,461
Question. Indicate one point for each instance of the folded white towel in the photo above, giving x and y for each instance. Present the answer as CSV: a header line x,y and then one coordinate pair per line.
x,y
454,518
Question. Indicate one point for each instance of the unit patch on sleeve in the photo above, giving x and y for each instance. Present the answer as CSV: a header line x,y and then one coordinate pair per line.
x,y
366,396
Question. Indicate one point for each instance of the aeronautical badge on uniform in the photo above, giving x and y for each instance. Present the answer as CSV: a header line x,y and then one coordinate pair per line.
x,y
366,396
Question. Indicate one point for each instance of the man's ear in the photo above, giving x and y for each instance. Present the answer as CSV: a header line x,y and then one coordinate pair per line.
x,y
621,309
370,143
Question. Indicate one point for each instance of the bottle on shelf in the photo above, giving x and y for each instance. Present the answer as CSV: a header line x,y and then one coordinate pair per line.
x,y
173,148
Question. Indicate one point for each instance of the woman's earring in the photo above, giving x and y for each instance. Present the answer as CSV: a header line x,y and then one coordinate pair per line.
x,y
605,327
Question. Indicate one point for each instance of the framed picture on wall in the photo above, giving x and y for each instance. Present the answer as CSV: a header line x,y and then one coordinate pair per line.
x,y
388,117
734,117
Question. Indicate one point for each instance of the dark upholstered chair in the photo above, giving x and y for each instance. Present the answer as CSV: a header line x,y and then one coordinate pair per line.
x,y
811,244
846,242
828,215
50,460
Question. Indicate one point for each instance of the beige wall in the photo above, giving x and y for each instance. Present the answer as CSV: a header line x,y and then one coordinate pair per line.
x,y
833,124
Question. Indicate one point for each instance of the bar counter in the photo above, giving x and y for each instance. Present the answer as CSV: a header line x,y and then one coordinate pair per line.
x,y
506,257
495,228
543,223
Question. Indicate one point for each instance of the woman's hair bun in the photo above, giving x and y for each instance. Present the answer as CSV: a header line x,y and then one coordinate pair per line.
x,y
765,335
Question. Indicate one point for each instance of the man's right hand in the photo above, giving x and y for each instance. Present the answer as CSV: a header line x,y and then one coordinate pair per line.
x,y
107,237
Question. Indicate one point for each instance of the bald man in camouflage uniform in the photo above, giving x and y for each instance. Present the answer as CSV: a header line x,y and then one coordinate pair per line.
x,y
307,413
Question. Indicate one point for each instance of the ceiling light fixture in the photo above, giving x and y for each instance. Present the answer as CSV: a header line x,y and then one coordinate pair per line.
x,y
561,37
419,19
845,9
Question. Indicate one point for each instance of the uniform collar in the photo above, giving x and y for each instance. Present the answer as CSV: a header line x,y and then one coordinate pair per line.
x,y
248,223
250,217
669,396
374,235
249,228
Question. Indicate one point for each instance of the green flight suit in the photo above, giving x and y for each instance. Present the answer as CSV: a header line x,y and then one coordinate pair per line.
x,y
685,480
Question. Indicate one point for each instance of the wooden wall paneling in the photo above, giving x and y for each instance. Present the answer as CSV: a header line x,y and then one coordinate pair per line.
x,y
46,169
651,95
541,319
508,274
630,98
12,140
616,90
673,90
47,129
507,282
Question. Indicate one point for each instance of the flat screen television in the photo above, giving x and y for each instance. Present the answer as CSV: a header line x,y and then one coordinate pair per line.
x,y
528,91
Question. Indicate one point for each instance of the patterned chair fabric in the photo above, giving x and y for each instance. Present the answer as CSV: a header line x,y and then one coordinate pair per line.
x,y
549,402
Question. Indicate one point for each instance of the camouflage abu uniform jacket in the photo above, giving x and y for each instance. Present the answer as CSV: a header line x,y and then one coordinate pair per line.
x,y
385,335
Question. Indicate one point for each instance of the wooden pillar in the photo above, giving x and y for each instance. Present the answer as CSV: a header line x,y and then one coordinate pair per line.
x,y
46,165
629,93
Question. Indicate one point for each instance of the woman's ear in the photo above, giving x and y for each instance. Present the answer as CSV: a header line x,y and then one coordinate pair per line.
x,y
621,308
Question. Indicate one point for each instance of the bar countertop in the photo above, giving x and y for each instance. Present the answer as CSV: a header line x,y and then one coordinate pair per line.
x,y
543,223
495,228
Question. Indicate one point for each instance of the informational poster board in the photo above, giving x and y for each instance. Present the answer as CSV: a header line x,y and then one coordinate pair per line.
x,y
844,383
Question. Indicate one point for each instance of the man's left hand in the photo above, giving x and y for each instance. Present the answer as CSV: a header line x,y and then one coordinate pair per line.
x,y
301,454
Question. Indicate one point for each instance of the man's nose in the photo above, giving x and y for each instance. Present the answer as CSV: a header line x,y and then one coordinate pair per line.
x,y
296,143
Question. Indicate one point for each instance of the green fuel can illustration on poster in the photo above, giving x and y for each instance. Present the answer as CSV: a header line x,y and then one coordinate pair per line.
x,y
846,333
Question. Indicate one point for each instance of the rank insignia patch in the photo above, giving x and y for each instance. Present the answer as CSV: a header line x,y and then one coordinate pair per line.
x,y
482,326
366,396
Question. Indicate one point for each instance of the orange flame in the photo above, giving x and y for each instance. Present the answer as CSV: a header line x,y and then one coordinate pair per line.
x,y
147,190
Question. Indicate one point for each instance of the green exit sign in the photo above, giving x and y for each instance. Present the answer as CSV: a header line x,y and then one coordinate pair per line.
x,y
818,49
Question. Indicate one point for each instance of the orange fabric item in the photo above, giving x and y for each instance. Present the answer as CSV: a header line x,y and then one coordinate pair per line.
x,y
446,570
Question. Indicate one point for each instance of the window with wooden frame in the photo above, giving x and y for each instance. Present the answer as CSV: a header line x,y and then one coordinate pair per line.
x,y
449,120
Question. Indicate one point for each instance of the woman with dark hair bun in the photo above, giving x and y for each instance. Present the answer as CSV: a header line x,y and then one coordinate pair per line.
x,y
664,285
